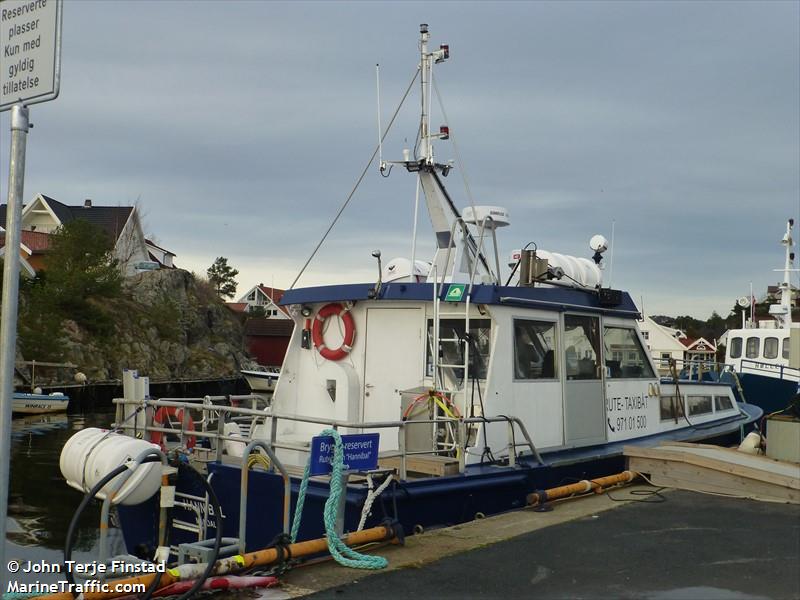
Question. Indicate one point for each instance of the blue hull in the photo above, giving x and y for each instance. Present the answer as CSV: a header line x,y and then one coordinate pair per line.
x,y
430,502
771,394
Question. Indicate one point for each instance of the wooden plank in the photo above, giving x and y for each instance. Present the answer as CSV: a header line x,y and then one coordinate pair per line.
x,y
758,468
426,464
686,476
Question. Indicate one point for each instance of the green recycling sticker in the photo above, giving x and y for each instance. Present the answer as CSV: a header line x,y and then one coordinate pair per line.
x,y
455,292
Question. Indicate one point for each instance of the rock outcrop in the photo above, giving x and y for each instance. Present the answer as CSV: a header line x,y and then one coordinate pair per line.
x,y
168,325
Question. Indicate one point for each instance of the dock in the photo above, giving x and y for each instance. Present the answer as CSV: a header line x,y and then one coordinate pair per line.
x,y
639,542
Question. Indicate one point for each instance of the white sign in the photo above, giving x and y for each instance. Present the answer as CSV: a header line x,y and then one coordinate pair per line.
x,y
30,51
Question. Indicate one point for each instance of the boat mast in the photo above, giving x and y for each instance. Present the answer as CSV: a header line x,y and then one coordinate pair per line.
x,y
441,208
783,312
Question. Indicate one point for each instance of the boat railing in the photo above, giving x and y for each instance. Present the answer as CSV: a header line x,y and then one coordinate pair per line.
x,y
761,368
211,426
691,369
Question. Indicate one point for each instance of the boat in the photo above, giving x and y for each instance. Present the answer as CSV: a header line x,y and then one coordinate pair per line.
x,y
24,403
761,356
262,379
457,393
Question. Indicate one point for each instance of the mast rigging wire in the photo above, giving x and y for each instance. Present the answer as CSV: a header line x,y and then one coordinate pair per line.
x,y
358,181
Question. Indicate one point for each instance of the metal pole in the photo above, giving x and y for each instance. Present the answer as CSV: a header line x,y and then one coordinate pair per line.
x,y
8,317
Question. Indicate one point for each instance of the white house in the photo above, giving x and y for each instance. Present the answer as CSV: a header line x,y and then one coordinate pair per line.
x,y
261,296
665,343
121,223
662,342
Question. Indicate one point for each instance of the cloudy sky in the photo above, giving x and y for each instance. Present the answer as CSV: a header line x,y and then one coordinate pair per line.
x,y
240,127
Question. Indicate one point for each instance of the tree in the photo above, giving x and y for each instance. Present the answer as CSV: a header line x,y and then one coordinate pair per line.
x,y
81,270
222,277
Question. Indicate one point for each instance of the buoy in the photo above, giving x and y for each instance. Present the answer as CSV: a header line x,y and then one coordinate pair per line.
x,y
751,444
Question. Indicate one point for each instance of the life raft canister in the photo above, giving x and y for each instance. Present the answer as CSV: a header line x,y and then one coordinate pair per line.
x,y
168,415
329,310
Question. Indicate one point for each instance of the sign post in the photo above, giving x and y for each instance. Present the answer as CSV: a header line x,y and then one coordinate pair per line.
x,y
30,47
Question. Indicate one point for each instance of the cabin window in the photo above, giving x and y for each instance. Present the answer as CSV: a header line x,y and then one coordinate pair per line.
x,y
736,347
582,342
625,357
722,403
534,350
786,348
452,352
669,407
771,347
699,405
753,345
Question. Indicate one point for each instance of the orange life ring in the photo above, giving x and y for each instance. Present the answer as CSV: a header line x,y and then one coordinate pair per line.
x,y
330,310
167,415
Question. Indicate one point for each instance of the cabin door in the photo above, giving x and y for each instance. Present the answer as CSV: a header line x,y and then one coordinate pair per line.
x,y
584,402
395,356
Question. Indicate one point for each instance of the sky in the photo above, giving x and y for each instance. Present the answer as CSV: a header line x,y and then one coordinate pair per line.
x,y
239,129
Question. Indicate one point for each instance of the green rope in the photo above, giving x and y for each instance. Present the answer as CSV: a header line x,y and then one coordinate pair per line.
x,y
342,553
19,595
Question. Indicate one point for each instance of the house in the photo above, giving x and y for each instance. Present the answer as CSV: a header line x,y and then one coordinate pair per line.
x,y
32,248
699,350
160,255
267,339
261,297
665,343
122,223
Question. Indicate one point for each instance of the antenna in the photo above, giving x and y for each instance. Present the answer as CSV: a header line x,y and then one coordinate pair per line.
x,y
381,164
611,256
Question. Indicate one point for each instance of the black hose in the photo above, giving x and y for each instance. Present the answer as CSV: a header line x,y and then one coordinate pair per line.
x,y
217,542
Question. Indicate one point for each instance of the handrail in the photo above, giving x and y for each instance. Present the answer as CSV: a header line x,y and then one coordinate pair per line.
x,y
785,371
273,443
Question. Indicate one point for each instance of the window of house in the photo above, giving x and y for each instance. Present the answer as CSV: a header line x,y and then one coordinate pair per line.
x,y
699,405
628,358
736,347
251,296
535,350
786,348
752,348
722,403
646,335
453,351
582,341
771,347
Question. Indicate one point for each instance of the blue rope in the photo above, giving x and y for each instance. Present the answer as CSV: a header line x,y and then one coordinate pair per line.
x,y
342,553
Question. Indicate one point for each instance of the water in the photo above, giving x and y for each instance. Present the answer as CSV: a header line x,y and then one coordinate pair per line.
x,y
41,504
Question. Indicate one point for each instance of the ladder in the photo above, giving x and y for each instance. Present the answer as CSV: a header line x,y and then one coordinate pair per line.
x,y
458,298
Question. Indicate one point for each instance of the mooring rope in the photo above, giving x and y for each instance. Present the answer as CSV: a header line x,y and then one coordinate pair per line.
x,y
342,553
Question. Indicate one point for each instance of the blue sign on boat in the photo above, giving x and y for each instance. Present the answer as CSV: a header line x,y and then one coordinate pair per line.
x,y
360,452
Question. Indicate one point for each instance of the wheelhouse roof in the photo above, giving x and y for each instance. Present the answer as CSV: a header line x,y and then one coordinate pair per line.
x,y
548,298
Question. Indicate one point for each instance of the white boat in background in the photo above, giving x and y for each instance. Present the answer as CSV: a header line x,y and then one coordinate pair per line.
x,y
762,356
261,380
37,404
